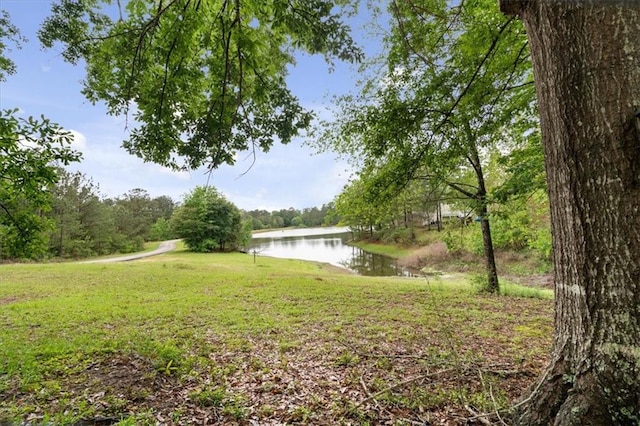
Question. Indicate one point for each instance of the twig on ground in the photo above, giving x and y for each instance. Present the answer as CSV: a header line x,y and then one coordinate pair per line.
x,y
495,406
535,391
493,400
476,416
365,387
405,382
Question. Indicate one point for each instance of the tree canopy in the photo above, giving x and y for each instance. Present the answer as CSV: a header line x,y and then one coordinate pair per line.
x,y
30,150
209,222
203,79
457,83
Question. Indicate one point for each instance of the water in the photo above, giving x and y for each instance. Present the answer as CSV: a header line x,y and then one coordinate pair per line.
x,y
327,245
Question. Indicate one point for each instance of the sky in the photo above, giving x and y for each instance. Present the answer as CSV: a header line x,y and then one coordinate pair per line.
x,y
291,175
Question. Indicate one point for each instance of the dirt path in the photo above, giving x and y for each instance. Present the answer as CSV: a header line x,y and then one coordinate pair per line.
x,y
164,247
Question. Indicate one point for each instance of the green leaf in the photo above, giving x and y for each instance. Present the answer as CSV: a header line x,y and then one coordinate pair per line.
x,y
204,79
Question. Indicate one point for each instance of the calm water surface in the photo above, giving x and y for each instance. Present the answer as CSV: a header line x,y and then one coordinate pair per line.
x,y
328,245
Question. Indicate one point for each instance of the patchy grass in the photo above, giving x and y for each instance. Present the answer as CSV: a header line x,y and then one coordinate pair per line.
x,y
187,338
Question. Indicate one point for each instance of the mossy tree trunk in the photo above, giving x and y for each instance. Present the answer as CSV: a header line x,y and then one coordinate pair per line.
x,y
586,57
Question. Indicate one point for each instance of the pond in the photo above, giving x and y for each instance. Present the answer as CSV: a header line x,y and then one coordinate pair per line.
x,y
327,245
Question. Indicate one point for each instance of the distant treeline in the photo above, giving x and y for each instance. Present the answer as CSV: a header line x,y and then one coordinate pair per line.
x,y
80,222
307,217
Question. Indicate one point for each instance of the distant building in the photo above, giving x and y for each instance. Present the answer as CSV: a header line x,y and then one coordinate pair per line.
x,y
444,213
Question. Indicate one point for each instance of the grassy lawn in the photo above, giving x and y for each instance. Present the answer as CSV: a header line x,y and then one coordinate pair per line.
x,y
385,249
187,338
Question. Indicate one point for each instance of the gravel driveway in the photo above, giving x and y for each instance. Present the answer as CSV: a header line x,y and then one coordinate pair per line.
x,y
164,247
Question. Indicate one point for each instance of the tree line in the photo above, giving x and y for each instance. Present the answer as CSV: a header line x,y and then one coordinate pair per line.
x,y
518,223
73,220
326,215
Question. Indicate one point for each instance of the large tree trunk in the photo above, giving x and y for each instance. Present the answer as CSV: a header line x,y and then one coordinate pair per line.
x,y
586,57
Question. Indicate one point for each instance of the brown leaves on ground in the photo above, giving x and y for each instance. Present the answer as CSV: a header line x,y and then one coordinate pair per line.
x,y
352,373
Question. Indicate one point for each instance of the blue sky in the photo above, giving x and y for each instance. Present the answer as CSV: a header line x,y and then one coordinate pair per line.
x,y
287,176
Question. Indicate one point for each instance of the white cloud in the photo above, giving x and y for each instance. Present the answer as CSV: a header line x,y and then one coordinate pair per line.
x,y
78,141
27,143
332,183
180,174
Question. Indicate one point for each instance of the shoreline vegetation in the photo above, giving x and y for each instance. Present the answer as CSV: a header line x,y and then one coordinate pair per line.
x,y
186,338
430,255
428,250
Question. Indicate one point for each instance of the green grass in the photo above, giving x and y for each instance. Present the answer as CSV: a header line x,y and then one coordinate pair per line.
x,y
154,338
385,249
151,245
509,289
515,290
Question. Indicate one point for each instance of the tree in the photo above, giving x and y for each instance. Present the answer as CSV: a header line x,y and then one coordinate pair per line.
x,y
162,208
10,33
134,214
287,215
357,211
208,222
161,230
23,227
29,151
586,60
329,214
521,213
259,219
73,195
457,81
205,78
83,223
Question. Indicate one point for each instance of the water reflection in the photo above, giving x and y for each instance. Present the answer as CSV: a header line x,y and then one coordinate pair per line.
x,y
327,245
371,264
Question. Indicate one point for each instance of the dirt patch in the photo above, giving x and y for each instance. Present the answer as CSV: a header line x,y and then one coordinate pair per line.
x,y
433,253
11,299
7,300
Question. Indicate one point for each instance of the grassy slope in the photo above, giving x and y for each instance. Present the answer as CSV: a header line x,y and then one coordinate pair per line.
x,y
183,338
391,250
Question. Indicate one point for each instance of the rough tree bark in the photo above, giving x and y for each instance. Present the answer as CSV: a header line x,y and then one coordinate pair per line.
x,y
586,57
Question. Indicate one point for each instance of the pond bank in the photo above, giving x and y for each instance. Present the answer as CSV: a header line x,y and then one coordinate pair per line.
x,y
516,267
